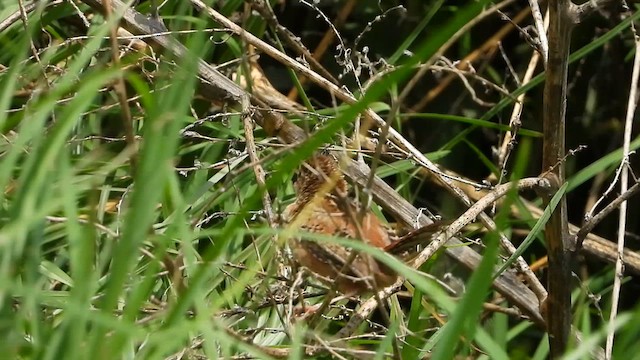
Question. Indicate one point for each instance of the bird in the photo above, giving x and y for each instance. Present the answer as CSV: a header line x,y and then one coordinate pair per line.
x,y
323,206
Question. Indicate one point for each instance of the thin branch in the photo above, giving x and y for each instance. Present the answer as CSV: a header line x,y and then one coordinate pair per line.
x,y
264,9
540,29
593,245
515,123
257,168
474,211
580,236
484,51
466,83
624,184
327,39
607,191
453,68
442,50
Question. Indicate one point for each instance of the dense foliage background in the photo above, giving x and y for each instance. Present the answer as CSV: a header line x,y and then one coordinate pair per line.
x,y
132,224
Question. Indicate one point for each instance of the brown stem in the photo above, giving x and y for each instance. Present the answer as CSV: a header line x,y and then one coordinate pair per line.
x,y
558,305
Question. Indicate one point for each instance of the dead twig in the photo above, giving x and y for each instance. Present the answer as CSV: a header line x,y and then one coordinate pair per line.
x,y
624,184
581,235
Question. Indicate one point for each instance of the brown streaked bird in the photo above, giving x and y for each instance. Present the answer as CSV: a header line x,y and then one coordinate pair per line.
x,y
322,207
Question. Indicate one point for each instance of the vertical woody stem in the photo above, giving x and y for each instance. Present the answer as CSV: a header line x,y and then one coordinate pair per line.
x,y
558,305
